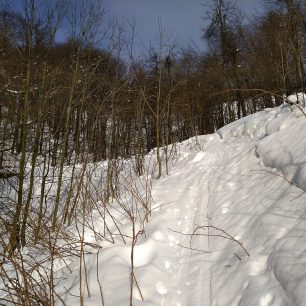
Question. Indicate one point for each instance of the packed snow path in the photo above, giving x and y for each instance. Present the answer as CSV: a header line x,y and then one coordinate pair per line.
x,y
243,184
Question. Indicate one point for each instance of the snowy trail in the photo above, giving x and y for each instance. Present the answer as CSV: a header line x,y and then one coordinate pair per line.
x,y
191,283
229,186
238,181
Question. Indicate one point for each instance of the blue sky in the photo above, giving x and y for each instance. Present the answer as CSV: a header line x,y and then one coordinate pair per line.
x,y
182,18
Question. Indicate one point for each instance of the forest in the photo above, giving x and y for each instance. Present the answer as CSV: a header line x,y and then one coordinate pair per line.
x,y
76,111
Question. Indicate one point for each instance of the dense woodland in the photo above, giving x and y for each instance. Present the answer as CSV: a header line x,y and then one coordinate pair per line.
x,y
86,98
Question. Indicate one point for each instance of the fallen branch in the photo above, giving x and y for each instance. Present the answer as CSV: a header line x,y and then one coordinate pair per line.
x,y
224,235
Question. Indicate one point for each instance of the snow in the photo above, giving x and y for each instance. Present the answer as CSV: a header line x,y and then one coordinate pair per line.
x,y
227,225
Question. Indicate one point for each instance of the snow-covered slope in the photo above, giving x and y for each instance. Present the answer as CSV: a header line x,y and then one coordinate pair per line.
x,y
240,192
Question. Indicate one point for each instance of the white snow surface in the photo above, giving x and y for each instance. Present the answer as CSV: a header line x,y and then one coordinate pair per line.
x,y
241,192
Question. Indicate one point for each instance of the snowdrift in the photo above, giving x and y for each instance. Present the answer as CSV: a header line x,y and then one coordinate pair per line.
x,y
227,228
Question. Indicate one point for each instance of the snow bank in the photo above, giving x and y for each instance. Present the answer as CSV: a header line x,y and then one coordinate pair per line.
x,y
227,226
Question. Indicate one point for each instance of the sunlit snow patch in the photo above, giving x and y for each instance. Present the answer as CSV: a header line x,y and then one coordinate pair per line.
x,y
161,288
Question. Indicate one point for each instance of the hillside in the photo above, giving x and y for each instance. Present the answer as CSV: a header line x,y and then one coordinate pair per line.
x,y
227,225
148,169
